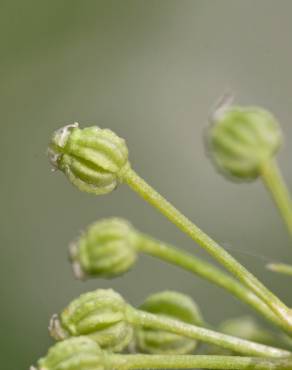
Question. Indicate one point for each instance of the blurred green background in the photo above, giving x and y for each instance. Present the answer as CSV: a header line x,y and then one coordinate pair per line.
x,y
151,71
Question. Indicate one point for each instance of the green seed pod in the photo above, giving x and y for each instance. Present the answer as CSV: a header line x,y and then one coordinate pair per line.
x,y
105,249
247,328
74,354
92,158
241,140
171,305
100,315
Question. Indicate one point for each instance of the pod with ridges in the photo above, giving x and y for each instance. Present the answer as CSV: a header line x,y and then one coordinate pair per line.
x,y
241,139
93,159
172,305
100,315
106,249
73,354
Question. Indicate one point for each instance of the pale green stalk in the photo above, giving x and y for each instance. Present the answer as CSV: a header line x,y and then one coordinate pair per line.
x,y
207,271
214,249
274,182
132,362
148,320
282,268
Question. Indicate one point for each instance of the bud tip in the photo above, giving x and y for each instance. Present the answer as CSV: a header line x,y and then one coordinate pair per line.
x,y
59,139
223,103
55,329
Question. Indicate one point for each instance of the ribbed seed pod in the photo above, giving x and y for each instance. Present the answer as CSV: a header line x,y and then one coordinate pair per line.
x,y
92,158
247,327
241,140
73,354
105,249
172,305
100,315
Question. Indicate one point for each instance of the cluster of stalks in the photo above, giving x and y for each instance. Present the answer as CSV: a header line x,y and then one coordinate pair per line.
x,y
101,331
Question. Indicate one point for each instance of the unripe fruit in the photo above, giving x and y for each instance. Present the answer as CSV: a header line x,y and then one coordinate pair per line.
x,y
105,249
73,354
100,315
92,158
172,305
241,140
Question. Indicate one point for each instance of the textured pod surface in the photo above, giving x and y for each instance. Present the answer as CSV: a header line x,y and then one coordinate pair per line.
x,y
106,249
100,315
172,305
92,158
73,354
240,140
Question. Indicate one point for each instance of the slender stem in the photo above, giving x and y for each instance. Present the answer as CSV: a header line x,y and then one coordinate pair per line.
x,y
131,362
275,183
207,271
149,320
282,268
214,249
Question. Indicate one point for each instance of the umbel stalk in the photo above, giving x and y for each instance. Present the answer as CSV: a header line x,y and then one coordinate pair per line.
x,y
207,271
133,362
215,250
148,320
275,184
282,268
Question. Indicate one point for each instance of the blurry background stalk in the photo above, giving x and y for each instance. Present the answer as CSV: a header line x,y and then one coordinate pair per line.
x,y
151,71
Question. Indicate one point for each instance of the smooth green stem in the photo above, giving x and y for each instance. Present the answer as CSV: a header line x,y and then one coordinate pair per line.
x,y
149,320
214,249
143,362
275,183
207,271
282,268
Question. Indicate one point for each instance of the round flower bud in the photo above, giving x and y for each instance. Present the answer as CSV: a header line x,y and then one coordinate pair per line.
x,y
246,327
73,354
100,315
171,305
105,249
92,158
241,140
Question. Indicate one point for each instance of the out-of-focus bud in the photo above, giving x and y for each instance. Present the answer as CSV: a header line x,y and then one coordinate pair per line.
x,y
73,354
241,139
246,327
100,315
171,305
92,158
105,249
